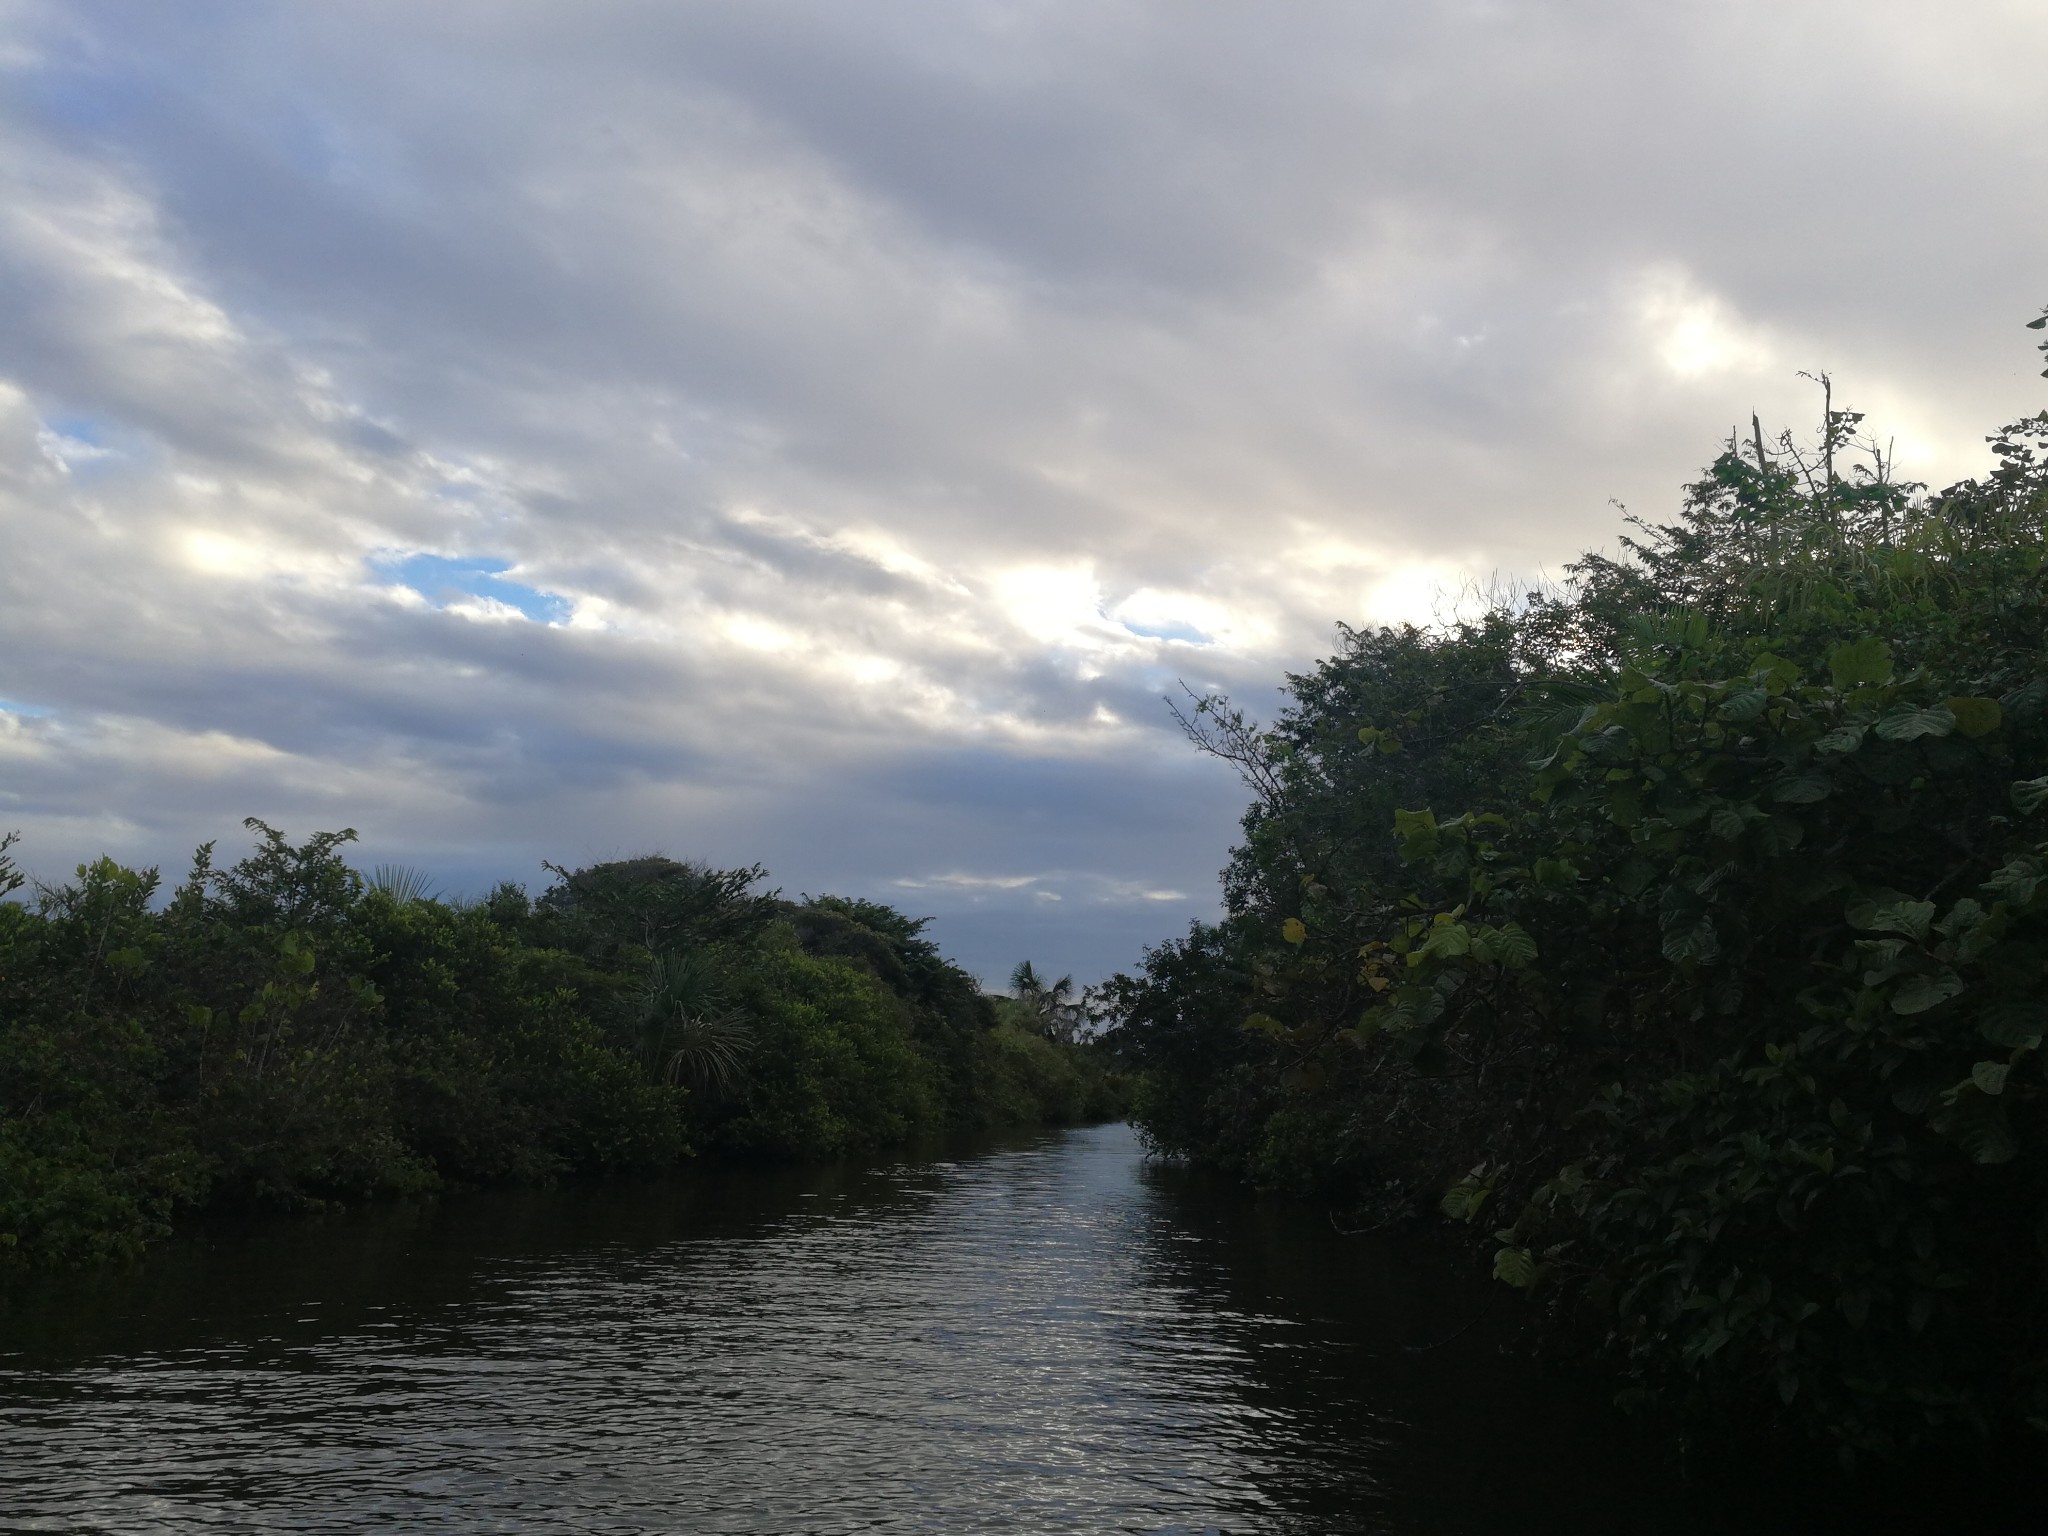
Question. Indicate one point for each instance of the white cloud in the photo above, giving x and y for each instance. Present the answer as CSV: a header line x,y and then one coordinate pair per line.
x,y
881,410
487,610
966,882
1695,333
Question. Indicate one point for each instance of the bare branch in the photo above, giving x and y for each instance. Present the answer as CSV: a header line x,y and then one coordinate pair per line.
x,y
1216,727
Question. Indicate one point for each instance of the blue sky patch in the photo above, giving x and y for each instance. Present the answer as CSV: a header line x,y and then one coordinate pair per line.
x,y
85,445
11,707
80,429
442,581
1176,630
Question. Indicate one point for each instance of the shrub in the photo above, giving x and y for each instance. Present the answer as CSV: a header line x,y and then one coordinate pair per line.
x,y
1689,932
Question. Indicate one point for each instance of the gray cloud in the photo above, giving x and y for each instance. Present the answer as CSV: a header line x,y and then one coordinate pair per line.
x,y
900,400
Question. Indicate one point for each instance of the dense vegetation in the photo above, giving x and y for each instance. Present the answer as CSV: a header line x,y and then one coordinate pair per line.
x,y
284,1033
1687,931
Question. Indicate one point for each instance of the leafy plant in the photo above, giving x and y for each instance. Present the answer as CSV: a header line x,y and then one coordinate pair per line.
x,y
283,1033
696,1037
401,883
1692,922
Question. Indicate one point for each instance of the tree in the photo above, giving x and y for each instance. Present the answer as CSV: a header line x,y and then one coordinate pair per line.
x,y
1690,925
1054,1010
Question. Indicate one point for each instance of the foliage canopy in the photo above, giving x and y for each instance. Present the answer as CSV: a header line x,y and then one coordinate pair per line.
x,y
283,1033
1686,930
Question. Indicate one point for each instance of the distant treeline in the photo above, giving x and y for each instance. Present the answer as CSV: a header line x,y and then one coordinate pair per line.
x,y
1687,932
284,1033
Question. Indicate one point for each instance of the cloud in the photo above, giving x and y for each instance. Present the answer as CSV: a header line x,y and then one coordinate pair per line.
x,y
820,436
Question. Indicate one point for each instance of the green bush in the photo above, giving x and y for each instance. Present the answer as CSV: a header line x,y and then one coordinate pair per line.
x,y
1023,1078
1688,932
282,1034
833,1068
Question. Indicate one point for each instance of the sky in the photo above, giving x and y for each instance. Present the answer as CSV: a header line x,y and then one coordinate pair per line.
x,y
824,435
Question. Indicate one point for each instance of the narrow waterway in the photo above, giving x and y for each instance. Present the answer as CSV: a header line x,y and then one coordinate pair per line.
x,y
1045,1336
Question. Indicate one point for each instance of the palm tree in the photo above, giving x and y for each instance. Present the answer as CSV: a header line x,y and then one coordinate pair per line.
x,y
1055,1010
403,883
691,1034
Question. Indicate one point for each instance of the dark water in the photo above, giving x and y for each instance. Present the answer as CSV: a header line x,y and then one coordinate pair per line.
x,y
1047,1336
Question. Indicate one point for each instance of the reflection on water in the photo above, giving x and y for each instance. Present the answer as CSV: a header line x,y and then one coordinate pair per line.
x,y
1043,1337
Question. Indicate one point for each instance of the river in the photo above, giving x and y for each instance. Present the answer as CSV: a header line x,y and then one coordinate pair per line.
x,y
1044,1335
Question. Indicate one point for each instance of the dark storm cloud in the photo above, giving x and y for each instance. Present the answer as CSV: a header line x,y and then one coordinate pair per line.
x,y
898,400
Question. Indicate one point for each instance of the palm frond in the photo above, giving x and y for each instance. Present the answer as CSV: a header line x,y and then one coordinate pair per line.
x,y
403,883
709,1051
691,1032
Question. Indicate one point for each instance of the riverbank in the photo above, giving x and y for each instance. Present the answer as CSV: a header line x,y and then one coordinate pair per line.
x,y
282,1034
1679,934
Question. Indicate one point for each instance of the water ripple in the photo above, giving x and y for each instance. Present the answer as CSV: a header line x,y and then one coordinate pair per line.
x,y
1033,1340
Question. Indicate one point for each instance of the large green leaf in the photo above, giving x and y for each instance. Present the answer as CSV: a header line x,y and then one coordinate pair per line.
x,y
1691,937
2029,795
1774,673
1417,831
1909,724
2028,700
1801,789
1975,717
1514,948
1912,918
1516,1267
1461,1202
1919,993
2017,880
1744,705
1625,805
1913,1098
2014,1022
1843,738
1868,660
1976,1122
1963,919
1446,939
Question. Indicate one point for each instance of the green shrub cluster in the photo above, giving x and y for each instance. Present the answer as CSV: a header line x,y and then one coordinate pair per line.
x,y
1688,932
284,1033
1023,1076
